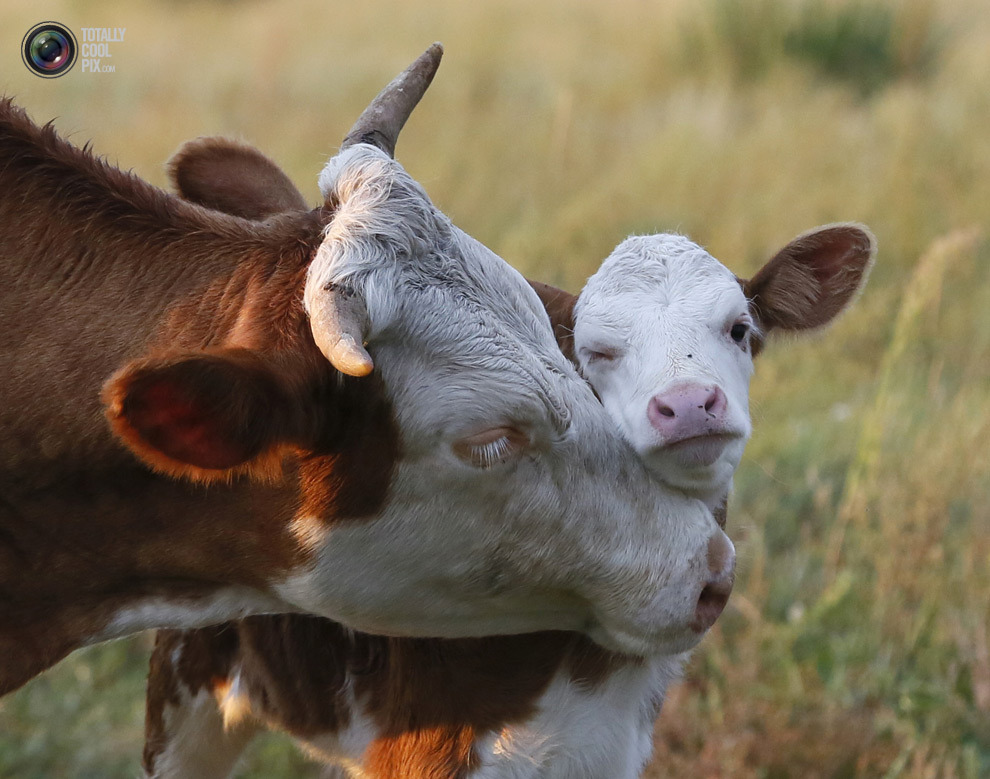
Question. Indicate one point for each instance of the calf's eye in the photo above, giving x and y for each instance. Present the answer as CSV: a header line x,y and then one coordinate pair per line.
x,y
599,354
738,332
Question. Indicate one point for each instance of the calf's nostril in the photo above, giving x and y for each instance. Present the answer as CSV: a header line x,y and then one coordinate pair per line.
x,y
659,411
715,402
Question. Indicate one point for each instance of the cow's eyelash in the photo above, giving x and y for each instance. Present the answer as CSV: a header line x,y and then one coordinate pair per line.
x,y
491,454
491,447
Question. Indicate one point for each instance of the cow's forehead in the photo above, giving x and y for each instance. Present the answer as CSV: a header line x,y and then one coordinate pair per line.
x,y
656,273
482,323
442,295
491,287
389,239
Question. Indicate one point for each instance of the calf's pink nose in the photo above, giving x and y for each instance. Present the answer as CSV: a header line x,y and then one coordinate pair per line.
x,y
687,410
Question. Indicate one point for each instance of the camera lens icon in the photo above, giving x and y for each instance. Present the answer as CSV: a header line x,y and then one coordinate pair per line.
x,y
49,49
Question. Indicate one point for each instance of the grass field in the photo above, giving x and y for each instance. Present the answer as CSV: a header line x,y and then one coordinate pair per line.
x,y
856,643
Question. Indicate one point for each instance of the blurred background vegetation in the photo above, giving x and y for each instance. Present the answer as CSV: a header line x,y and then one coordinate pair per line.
x,y
856,643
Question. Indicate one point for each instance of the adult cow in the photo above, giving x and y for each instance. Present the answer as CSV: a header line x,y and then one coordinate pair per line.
x,y
666,335
356,411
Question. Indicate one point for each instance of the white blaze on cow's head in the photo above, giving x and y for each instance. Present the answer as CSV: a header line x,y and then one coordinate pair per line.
x,y
667,334
510,503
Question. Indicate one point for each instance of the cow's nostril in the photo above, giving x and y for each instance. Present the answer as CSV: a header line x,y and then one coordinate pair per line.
x,y
721,561
711,603
665,410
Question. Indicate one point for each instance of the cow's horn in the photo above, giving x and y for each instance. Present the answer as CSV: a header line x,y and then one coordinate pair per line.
x,y
339,322
381,121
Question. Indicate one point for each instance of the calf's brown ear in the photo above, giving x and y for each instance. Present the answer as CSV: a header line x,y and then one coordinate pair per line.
x,y
812,279
232,177
560,308
207,416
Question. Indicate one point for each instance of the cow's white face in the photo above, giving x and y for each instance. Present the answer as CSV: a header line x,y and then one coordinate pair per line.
x,y
473,485
662,332
515,505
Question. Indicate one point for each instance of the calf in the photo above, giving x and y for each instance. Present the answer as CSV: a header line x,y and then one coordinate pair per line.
x,y
356,411
666,336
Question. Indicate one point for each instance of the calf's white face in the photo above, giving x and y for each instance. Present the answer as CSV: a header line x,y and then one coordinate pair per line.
x,y
666,335
663,333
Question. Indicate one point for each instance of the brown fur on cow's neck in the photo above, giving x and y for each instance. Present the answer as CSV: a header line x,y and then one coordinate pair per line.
x,y
100,268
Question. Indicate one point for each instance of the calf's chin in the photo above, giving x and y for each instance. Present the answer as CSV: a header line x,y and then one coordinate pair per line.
x,y
700,468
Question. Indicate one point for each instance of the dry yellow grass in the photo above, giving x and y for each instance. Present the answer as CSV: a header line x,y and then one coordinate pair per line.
x,y
857,641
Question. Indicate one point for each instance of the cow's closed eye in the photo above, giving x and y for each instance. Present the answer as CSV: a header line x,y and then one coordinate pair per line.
x,y
600,354
491,447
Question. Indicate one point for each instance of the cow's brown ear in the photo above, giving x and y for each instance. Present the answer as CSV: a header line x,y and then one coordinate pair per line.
x,y
560,308
812,279
232,177
207,415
